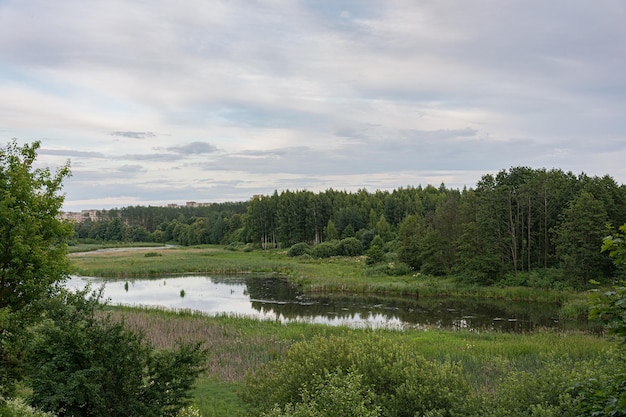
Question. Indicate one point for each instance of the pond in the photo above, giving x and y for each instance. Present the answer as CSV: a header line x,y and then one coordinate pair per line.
x,y
276,299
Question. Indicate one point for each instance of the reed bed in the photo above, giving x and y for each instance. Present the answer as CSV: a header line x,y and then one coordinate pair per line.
x,y
240,345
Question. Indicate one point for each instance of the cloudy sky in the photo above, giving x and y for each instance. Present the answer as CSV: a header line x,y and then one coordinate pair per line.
x,y
157,102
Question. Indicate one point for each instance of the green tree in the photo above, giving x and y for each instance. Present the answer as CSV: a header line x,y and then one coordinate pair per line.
x,y
479,259
578,238
330,231
33,248
609,308
410,234
33,239
376,251
83,363
383,229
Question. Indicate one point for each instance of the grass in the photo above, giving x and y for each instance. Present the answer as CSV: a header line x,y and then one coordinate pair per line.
x,y
88,247
240,345
336,275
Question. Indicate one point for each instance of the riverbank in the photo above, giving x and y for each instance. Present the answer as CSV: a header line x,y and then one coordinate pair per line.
x,y
334,275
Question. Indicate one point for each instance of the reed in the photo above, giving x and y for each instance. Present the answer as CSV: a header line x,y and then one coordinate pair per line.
x,y
240,345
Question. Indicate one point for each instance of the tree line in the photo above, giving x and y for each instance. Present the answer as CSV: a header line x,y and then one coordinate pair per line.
x,y
518,224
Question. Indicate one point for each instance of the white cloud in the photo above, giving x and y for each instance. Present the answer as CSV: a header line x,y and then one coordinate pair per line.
x,y
222,100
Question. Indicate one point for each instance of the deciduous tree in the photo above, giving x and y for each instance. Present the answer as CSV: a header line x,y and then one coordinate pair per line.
x,y
33,236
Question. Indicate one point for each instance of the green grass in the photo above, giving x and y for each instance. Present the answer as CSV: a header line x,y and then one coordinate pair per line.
x,y
336,275
215,398
88,247
240,345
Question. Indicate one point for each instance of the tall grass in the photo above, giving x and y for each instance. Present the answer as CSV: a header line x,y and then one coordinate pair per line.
x,y
240,345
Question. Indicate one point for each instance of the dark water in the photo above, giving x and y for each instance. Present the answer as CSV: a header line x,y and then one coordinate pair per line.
x,y
276,299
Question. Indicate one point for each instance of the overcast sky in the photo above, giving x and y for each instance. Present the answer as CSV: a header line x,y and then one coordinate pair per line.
x,y
157,102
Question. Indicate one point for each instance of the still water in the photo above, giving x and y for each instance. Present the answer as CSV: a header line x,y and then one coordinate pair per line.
x,y
276,299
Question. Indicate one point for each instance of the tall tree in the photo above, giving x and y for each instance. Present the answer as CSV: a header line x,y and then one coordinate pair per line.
x,y
33,237
578,238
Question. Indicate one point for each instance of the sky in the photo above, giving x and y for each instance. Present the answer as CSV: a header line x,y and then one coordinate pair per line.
x,y
158,102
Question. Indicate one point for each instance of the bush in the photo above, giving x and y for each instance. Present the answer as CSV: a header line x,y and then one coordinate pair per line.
x,y
350,246
560,387
332,394
324,250
375,254
152,254
83,364
299,249
399,381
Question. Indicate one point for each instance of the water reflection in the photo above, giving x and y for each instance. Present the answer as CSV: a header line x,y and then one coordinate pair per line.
x,y
276,299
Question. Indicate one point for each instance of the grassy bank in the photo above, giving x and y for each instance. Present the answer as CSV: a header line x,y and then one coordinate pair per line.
x,y
336,275
239,346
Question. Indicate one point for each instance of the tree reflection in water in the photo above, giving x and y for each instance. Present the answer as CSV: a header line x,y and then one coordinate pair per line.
x,y
275,298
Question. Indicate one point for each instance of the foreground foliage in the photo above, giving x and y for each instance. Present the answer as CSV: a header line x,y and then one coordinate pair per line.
x,y
56,353
84,364
377,376
32,244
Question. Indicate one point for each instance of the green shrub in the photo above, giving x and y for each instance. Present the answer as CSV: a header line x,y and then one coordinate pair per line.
x,y
350,246
325,250
83,364
332,394
375,254
401,382
559,387
299,249
152,254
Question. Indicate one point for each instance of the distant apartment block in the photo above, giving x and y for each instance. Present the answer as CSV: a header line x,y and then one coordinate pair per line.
x,y
189,204
94,215
81,216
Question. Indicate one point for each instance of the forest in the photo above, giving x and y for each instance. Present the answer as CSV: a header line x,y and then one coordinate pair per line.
x,y
522,226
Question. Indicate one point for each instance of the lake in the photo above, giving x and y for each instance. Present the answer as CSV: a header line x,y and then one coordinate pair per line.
x,y
276,299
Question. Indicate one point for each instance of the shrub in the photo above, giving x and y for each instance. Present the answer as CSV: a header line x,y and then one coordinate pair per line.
x,y
332,394
559,387
82,364
299,249
350,246
152,254
324,250
401,382
375,254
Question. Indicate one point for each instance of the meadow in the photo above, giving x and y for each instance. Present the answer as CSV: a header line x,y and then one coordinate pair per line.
x,y
240,346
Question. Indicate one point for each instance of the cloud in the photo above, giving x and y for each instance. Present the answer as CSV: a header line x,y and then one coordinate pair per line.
x,y
193,148
229,100
134,135
131,169
68,153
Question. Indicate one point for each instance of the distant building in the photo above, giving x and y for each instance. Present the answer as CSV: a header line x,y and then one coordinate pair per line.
x,y
95,215
81,216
